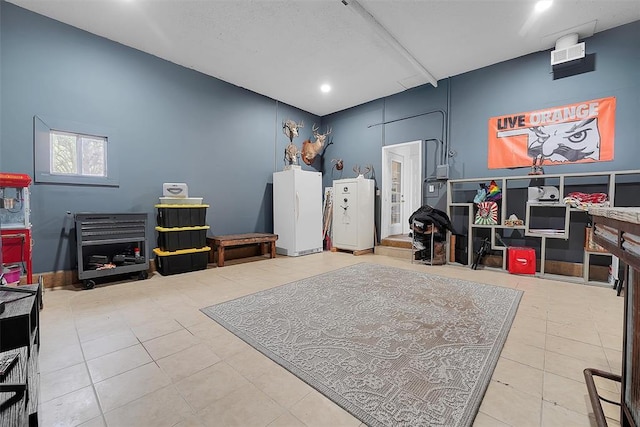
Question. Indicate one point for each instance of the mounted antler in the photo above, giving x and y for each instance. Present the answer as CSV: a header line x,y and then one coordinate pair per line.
x,y
319,135
362,172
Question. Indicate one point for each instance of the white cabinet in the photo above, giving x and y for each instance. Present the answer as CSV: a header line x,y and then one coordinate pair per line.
x,y
297,212
353,214
554,229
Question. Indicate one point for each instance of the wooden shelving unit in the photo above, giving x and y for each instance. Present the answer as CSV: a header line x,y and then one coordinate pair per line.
x,y
623,221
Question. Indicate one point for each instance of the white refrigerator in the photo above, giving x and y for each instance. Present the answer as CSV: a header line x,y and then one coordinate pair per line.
x,y
297,211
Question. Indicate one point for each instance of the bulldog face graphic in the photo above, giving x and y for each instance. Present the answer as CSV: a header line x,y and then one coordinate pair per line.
x,y
565,142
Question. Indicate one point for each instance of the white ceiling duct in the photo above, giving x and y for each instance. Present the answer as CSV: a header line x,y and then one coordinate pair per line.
x,y
567,49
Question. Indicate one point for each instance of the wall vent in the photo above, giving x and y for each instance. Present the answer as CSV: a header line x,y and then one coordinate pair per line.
x,y
567,54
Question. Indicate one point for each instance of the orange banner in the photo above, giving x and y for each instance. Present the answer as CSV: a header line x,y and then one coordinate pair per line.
x,y
574,133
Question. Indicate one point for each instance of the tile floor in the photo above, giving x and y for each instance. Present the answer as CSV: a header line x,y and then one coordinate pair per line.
x,y
141,353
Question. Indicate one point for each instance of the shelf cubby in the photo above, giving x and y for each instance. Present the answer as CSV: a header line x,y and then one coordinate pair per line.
x,y
554,229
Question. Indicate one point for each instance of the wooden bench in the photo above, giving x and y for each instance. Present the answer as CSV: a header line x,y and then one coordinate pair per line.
x,y
230,240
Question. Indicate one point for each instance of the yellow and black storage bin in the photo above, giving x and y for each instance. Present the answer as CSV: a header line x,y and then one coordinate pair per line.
x,y
179,238
182,261
176,215
182,238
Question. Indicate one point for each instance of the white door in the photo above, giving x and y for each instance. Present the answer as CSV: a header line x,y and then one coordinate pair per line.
x,y
396,195
401,186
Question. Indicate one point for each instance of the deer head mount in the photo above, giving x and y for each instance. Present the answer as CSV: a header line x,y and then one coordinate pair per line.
x,y
290,129
311,149
291,154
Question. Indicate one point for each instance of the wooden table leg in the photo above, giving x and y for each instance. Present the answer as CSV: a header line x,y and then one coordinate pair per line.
x,y
220,256
273,249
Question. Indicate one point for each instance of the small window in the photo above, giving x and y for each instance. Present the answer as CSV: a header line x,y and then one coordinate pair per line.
x,y
76,154
73,153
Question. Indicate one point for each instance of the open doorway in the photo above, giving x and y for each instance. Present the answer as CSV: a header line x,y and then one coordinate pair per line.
x,y
401,186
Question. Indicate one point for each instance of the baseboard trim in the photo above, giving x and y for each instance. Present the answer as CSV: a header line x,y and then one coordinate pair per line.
x,y
60,279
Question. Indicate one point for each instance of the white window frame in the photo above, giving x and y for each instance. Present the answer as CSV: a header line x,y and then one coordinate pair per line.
x,y
45,126
78,153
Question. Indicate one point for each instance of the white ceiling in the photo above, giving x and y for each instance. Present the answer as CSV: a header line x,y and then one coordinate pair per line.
x,y
285,49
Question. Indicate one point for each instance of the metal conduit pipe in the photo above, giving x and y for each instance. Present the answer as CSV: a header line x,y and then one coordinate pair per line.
x,y
442,128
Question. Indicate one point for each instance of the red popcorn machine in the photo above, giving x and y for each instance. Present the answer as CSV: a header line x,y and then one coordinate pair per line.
x,y
15,227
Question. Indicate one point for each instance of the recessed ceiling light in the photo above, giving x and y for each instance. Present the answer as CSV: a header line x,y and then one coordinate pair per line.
x,y
543,5
325,88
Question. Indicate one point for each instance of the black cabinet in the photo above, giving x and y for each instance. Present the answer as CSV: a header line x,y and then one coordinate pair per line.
x,y
19,333
107,244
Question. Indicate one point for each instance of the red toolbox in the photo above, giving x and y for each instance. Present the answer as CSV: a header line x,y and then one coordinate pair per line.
x,y
522,260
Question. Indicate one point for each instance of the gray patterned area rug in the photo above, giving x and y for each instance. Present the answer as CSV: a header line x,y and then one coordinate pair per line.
x,y
393,347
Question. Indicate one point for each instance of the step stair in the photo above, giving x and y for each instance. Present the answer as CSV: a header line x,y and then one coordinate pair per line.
x,y
397,246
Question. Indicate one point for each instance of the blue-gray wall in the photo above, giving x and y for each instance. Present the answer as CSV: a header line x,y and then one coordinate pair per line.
x,y
470,99
514,86
526,83
177,125
171,124
0,88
